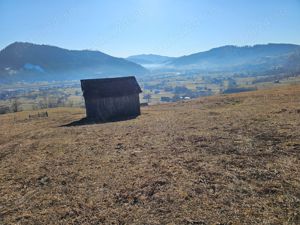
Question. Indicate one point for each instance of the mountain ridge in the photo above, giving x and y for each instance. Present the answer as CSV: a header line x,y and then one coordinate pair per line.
x,y
23,61
231,56
28,61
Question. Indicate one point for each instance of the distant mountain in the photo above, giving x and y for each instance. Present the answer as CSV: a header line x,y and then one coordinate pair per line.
x,y
31,62
233,58
150,60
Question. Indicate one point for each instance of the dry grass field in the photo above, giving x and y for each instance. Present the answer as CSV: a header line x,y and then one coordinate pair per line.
x,y
231,159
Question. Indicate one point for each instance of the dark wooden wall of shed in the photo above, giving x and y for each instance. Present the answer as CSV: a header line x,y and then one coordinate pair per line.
x,y
112,108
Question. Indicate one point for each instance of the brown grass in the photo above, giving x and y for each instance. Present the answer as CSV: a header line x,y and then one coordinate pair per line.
x,y
219,160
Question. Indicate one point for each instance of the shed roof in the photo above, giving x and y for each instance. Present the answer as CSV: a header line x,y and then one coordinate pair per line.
x,y
110,87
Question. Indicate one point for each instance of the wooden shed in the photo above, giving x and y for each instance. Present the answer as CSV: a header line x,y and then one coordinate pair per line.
x,y
111,99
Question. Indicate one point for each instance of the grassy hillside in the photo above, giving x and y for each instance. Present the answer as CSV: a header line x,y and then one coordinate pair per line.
x,y
230,159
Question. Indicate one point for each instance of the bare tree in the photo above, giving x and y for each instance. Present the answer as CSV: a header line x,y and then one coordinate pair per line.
x,y
70,103
53,102
147,97
15,105
42,104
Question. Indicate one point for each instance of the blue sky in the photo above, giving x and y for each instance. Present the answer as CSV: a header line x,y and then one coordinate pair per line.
x,y
167,27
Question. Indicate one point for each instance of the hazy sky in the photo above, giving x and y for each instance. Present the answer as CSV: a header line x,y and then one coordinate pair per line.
x,y
168,27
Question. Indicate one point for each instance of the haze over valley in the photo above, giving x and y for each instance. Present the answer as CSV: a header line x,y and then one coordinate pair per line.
x,y
29,62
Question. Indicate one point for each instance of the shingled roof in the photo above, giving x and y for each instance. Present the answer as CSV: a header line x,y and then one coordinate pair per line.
x,y
110,87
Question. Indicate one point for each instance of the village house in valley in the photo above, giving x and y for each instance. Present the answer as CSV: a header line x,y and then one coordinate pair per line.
x,y
111,99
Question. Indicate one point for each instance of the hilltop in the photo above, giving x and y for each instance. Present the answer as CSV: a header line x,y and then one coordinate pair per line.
x,y
29,62
235,58
228,159
256,59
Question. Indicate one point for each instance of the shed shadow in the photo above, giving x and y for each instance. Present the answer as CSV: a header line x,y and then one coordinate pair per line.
x,y
89,121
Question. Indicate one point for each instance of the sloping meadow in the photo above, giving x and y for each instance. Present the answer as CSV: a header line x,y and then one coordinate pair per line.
x,y
231,159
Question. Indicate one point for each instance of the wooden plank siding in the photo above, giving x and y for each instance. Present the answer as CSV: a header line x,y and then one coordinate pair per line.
x,y
113,108
110,99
